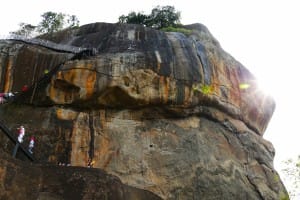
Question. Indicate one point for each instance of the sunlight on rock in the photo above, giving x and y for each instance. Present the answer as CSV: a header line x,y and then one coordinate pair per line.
x,y
244,86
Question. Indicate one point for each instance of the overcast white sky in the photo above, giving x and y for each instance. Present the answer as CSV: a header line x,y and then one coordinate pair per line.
x,y
264,35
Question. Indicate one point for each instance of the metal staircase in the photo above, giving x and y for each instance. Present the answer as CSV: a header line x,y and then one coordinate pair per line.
x,y
48,44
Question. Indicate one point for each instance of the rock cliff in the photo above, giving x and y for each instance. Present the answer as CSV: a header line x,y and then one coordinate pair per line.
x,y
166,112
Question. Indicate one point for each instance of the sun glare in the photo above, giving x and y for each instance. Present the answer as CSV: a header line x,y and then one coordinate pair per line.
x,y
266,86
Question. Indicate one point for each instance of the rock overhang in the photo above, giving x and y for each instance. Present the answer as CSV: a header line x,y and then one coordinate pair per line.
x,y
136,66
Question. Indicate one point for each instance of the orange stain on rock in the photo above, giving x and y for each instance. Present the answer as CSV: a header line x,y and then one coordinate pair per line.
x,y
81,76
64,114
55,94
105,153
164,88
80,147
105,149
8,76
90,83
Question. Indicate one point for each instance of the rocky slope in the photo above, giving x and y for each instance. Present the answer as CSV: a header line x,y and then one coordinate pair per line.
x,y
166,112
21,180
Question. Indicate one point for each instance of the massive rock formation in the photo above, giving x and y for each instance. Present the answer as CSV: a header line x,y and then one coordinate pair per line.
x,y
170,113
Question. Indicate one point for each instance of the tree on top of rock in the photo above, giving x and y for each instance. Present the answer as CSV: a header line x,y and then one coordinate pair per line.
x,y
160,17
24,30
51,22
134,18
165,16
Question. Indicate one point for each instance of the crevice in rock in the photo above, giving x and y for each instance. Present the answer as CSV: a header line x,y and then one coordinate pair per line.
x,y
92,136
83,68
256,189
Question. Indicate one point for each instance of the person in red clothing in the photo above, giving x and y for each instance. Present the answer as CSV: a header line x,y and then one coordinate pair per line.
x,y
24,88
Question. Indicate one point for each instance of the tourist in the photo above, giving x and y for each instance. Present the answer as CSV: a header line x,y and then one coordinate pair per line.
x,y
21,132
31,144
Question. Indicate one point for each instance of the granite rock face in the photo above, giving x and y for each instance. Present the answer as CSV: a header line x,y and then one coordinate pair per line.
x,y
170,113
22,181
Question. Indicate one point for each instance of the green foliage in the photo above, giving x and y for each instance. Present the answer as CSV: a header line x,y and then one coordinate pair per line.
x,y
51,22
24,30
177,29
160,17
72,21
284,197
205,89
292,176
163,17
134,18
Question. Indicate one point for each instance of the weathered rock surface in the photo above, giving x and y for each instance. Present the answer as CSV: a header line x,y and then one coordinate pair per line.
x,y
22,181
164,112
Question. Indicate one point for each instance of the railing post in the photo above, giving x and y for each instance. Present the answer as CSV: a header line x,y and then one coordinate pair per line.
x,y
16,150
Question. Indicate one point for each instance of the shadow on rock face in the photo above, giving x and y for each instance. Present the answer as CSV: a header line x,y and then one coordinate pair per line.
x,y
25,181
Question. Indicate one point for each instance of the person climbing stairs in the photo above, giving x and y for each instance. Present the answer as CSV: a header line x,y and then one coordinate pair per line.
x,y
18,145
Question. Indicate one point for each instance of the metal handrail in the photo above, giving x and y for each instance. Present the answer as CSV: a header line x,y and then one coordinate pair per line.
x,y
47,44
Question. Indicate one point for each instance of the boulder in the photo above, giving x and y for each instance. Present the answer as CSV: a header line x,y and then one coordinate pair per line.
x,y
167,112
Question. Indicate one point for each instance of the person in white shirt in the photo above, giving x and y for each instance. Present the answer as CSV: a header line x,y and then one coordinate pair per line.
x,y
31,144
21,134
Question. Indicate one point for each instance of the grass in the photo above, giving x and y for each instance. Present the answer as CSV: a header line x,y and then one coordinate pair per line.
x,y
177,29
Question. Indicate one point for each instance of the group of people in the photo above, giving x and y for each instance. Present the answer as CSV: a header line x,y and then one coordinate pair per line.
x,y
6,96
21,134
90,163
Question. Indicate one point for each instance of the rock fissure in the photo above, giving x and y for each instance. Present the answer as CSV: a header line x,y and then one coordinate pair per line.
x,y
83,69
255,187
92,135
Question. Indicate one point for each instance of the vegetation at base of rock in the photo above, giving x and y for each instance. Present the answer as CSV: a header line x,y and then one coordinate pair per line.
x,y
177,29
292,176
160,17
51,22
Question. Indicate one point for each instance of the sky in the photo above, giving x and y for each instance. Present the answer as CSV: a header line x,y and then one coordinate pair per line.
x,y
264,35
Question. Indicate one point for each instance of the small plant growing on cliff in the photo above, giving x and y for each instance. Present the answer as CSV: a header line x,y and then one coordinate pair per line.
x,y
204,89
177,29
